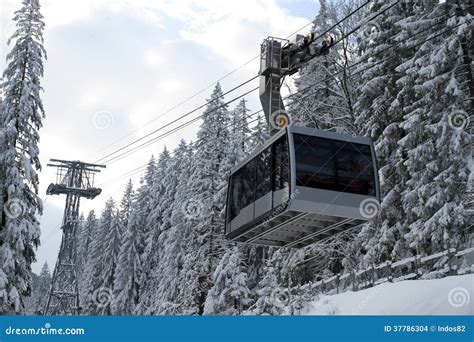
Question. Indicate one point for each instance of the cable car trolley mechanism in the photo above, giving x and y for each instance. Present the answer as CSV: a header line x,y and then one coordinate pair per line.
x,y
304,184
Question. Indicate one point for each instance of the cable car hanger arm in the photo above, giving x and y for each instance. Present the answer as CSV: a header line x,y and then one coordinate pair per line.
x,y
280,58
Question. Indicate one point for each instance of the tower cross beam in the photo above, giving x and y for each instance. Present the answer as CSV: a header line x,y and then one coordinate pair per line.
x,y
75,181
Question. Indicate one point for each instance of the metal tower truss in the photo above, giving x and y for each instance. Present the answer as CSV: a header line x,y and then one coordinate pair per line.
x,y
74,179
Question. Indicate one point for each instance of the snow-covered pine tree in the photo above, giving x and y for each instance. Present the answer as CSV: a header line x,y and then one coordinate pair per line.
x,y
326,93
240,126
19,156
89,231
259,132
271,297
93,277
128,269
256,256
141,209
41,293
204,208
109,257
154,220
160,293
2,147
126,203
299,299
229,294
437,150
379,114
143,206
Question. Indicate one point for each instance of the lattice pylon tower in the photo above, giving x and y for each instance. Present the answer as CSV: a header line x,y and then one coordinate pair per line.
x,y
75,179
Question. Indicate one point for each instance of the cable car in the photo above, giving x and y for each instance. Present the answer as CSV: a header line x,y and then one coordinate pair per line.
x,y
302,186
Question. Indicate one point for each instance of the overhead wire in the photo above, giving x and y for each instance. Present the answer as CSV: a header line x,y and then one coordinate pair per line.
x,y
127,153
349,67
233,89
376,53
194,110
204,89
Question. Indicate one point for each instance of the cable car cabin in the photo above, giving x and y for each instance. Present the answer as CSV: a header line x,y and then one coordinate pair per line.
x,y
302,186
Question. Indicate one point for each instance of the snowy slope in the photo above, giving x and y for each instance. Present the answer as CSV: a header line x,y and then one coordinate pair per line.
x,y
448,296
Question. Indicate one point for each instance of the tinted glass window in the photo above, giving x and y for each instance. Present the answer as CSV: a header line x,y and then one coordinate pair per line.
x,y
315,161
235,195
268,169
264,170
248,181
280,170
334,165
354,168
242,189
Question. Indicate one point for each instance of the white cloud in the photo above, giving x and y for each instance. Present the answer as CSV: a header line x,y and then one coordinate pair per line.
x,y
232,29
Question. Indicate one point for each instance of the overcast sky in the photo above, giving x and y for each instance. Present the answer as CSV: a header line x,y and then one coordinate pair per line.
x,y
114,66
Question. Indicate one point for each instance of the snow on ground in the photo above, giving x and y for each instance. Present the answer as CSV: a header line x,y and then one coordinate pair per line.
x,y
447,296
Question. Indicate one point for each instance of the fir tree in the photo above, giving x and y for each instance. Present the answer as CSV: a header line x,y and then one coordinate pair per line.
x,y
19,156
41,293
128,270
379,115
229,295
437,151
110,256
84,249
240,127
151,254
163,287
126,203
259,133
325,92
204,209
270,295
94,272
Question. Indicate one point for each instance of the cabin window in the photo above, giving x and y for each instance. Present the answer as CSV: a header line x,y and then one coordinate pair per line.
x,y
264,171
334,165
248,187
354,168
280,170
267,171
242,189
314,162
235,198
